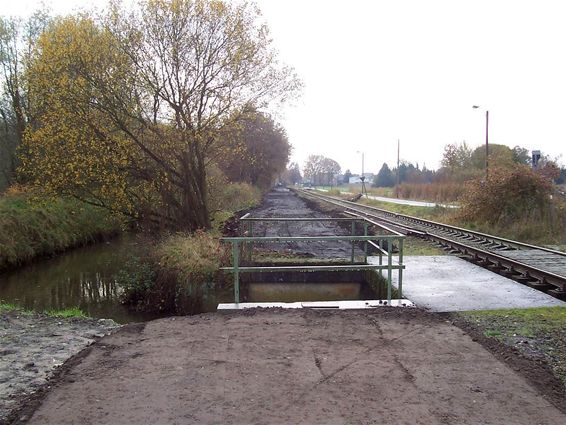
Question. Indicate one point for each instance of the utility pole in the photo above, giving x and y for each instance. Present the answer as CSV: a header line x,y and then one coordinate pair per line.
x,y
486,141
397,184
486,145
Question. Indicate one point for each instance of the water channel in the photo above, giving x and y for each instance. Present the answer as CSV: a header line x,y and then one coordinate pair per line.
x,y
86,278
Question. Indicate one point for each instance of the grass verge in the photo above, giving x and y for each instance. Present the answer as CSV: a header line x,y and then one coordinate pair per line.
x,y
538,333
33,226
65,313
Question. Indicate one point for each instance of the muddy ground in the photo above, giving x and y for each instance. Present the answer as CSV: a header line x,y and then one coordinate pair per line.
x,y
386,366
33,346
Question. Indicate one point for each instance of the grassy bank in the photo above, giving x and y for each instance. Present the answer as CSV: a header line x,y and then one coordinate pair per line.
x,y
32,226
538,333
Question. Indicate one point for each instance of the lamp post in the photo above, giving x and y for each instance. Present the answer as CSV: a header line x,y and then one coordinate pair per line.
x,y
486,141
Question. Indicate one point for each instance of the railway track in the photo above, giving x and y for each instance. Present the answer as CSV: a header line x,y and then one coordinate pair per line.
x,y
538,267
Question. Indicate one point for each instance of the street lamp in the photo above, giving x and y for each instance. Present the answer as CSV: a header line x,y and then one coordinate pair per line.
x,y
486,141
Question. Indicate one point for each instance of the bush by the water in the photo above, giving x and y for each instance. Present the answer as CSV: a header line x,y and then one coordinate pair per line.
x,y
174,274
32,226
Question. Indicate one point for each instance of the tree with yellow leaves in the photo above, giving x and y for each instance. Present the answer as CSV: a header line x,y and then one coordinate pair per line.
x,y
131,107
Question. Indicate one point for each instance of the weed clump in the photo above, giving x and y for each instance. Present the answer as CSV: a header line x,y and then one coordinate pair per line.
x,y
172,277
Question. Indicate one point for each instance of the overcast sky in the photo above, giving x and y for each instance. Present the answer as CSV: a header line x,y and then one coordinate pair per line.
x,y
378,71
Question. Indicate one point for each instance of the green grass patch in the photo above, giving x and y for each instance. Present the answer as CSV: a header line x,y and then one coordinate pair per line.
x,y
537,332
4,307
64,313
67,313
32,226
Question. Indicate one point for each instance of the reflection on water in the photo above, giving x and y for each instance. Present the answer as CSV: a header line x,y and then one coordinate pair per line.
x,y
84,277
291,292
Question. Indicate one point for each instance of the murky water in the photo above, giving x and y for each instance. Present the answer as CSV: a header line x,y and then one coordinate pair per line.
x,y
86,278
83,277
292,292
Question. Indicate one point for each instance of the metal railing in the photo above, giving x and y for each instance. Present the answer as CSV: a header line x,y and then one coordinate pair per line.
x,y
382,243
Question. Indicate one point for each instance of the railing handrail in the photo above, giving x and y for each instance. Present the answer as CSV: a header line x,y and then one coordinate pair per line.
x,y
251,269
239,241
345,238
246,218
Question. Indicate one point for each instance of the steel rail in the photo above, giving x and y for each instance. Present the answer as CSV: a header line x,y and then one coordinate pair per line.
x,y
503,241
529,274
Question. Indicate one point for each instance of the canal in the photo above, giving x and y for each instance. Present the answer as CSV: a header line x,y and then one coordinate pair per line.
x,y
86,277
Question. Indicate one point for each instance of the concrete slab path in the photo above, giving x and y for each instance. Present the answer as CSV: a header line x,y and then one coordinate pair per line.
x,y
445,283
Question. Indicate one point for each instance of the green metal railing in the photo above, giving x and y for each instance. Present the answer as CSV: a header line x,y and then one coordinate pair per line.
x,y
378,241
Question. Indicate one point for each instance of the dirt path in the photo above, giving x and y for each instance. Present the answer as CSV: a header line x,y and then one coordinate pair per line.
x,y
387,366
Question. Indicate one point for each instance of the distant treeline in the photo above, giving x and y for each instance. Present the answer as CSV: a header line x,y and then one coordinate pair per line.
x,y
460,163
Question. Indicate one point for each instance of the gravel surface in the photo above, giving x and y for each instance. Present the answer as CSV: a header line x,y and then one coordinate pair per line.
x,y
33,346
284,203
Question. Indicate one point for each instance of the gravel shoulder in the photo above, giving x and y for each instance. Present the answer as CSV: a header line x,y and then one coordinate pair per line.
x,y
283,203
387,366
32,348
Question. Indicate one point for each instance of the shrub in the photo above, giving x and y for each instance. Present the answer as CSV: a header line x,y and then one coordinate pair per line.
x,y
231,198
506,196
174,274
187,263
239,196
137,280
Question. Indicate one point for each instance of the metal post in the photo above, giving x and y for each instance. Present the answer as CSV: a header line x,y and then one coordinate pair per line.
x,y
397,177
251,244
380,243
400,268
353,234
235,265
365,242
389,271
486,144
